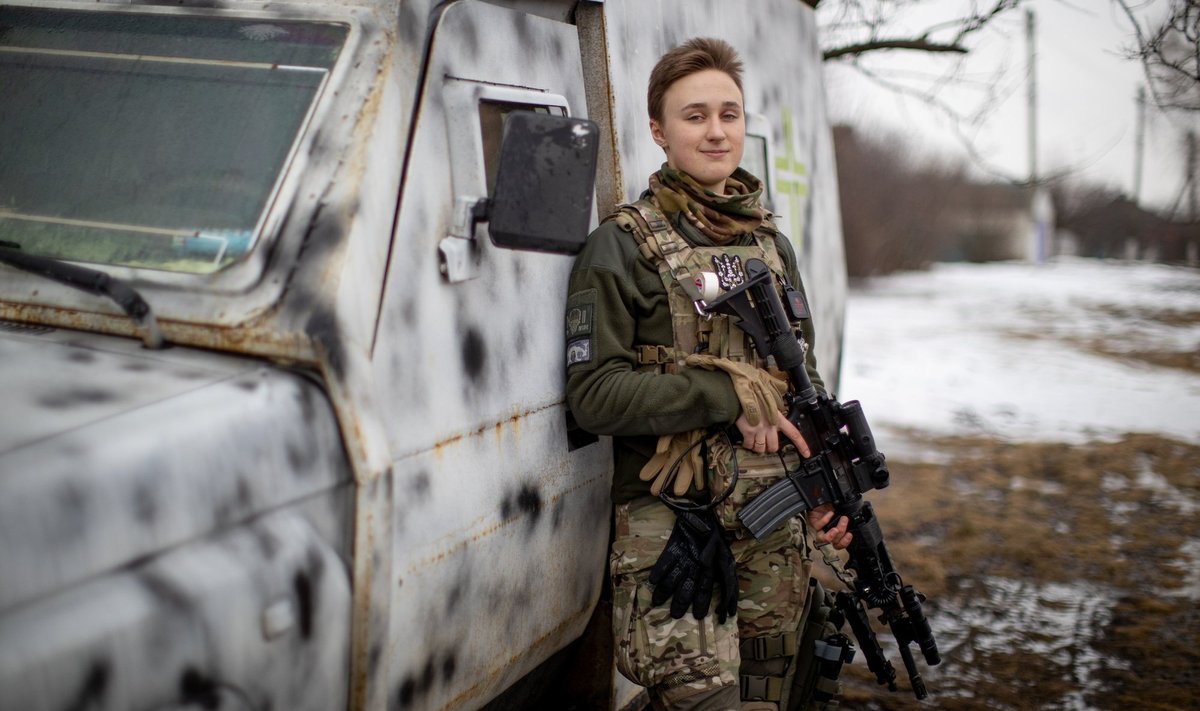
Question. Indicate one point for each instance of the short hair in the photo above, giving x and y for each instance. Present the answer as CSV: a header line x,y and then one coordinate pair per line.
x,y
695,55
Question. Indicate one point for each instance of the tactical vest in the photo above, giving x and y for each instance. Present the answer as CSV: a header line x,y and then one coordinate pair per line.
x,y
679,264
728,468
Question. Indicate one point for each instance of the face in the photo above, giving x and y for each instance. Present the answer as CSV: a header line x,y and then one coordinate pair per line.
x,y
703,129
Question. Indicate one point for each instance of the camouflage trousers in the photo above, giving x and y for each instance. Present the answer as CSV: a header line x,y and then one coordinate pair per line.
x,y
676,659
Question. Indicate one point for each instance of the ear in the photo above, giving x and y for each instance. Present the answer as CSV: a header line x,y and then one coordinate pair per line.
x,y
657,134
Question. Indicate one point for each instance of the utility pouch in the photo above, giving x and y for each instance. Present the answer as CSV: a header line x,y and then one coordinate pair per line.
x,y
820,655
753,472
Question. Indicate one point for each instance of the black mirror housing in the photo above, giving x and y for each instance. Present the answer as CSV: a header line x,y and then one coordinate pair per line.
x,y
544,183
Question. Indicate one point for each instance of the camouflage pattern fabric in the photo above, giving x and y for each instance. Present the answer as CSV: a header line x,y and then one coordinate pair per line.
x,y
676,659
755,473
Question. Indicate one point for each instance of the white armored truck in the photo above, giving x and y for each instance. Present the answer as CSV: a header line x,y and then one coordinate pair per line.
x,y
282,422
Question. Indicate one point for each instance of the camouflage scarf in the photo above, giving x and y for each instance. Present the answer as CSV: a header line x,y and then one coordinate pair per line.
x,y
721,218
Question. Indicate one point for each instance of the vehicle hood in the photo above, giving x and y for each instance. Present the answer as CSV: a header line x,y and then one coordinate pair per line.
x,y
110,452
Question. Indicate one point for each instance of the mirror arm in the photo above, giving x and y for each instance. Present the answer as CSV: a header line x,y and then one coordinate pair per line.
x,y
459,250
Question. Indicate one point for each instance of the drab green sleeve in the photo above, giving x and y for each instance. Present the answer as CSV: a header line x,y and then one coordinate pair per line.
x,y
616,301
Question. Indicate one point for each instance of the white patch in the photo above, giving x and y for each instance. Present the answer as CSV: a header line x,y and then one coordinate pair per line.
x,y
579,351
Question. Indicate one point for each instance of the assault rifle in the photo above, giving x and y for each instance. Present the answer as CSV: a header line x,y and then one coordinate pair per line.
x,y
844,464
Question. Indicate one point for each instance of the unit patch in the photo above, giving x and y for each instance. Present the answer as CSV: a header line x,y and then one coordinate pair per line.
x,y
581,308
579,320
729,270
579,350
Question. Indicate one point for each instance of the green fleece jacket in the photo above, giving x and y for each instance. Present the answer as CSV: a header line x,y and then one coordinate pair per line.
x,y
617,301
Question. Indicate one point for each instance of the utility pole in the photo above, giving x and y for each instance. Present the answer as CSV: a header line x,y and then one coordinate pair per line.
x,y
1189,180
1031,70
1191,175
1139,145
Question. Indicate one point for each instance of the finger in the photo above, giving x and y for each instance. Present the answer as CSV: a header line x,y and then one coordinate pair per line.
x,y
835,534
682,600
704,591
773,440
820,517
844,543
789,430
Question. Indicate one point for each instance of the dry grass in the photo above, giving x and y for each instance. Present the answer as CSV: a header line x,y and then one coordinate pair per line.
x,y
1109,517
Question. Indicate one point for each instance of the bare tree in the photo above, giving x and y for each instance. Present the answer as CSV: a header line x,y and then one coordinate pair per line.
x,y
1169,50
893,203
864,34
853,28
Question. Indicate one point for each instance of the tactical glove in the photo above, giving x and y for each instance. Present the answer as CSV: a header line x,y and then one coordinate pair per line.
x,y
682,447
724,569
696,556
759,392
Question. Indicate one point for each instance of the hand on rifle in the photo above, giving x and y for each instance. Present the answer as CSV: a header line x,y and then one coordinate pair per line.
x,y
765,438
820,517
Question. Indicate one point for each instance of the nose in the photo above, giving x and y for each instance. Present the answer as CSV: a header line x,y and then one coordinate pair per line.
x,y
716,131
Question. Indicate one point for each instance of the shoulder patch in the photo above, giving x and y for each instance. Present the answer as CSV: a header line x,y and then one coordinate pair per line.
x,y
579,350
581,308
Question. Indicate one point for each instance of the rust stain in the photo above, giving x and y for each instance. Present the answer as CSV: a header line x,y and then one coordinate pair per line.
x,y
249,339
514,422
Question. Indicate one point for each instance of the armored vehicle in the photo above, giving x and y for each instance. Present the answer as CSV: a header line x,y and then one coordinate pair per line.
x,y
282,344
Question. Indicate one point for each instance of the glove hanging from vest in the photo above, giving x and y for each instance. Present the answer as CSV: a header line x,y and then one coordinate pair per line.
x,y
678,453
696,558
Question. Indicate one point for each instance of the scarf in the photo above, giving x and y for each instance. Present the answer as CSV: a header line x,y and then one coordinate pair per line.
x,y
720,218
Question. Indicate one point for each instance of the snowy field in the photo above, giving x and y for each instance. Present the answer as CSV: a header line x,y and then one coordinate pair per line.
x,y
1026,352
1038,592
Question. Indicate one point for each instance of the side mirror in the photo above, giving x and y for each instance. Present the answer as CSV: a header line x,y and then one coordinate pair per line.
x,y
544,183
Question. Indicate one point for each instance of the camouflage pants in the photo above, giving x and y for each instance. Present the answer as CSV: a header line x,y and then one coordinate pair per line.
x,y
676,659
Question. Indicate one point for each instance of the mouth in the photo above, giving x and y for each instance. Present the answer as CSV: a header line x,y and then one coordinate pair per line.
x,y
715,153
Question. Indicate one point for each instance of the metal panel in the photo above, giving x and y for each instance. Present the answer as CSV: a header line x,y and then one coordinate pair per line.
x,y
258,618
499,533
109,452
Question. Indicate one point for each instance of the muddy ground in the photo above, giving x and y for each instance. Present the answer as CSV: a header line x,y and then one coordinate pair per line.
x,y
1058,576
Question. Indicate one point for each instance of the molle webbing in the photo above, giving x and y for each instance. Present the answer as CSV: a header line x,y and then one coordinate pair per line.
x,y
678,264
767,666
769,646
658,358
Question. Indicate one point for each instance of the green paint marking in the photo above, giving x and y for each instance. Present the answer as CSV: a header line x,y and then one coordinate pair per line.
x,y
791,180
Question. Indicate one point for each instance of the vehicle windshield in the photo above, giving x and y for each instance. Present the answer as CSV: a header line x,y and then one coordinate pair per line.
x,y
153,141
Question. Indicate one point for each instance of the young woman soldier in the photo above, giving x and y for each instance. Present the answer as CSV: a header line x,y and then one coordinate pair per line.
x,y
695,595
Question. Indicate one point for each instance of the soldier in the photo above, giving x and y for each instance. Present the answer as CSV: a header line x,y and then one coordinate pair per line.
x,y
705,616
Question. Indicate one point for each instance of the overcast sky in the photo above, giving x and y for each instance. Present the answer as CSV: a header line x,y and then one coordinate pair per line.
x,y
1087,113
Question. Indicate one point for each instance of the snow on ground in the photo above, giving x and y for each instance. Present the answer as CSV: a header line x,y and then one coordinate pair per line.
x,y
1010,350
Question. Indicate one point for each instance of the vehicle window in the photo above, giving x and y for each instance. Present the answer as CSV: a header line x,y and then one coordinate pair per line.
x,y
150,141
491,122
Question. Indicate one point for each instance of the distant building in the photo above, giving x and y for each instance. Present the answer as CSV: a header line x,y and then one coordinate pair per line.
x,y
992,222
